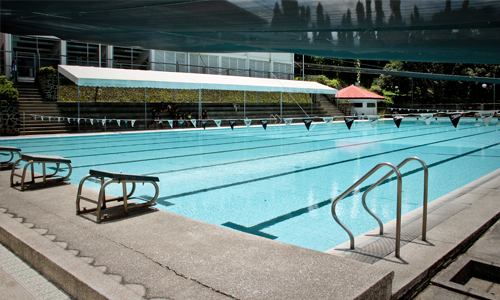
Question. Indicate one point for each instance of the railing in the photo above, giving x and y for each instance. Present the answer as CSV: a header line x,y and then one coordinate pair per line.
x,y
426,179
395,169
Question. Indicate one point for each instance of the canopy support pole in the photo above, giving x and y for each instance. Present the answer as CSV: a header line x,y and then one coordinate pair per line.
x,y
78,121
411,92
58,86
244,104
312,104
145,109
199,104
303,67
281,105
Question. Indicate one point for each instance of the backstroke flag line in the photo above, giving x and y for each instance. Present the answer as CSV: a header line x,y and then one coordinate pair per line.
x,y
204,124
217,122
427,118
231,123
373,120
397,120
308,122
348,122
288,121
248,122
193,121
171,122
455,118
264,123
486,116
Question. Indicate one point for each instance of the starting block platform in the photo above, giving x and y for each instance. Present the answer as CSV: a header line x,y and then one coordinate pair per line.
x,y
31,159
115,178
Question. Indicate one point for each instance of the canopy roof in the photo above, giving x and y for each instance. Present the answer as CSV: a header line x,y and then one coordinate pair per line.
x,y
108,77
456,31
354,92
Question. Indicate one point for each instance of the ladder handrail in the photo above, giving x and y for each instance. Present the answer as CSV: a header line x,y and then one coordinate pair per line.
x,y
367,175
426,180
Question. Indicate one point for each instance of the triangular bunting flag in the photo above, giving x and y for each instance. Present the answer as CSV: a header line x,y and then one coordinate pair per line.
x,y
50,118
41,117
193,121
264,123
427,118
59,119
231,123
118,121
397,120
308,122
69,120
248,122
181,122
217,122
78,120
487,116
373,120
328,121
92,121
288,121
455,118
103,121
132,122
204,124
348,122
171,123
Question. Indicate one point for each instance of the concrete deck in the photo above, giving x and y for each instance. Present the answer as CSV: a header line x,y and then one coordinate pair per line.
x,y
154,254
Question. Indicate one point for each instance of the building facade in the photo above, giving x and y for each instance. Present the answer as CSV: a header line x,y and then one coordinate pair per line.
x,y
33,52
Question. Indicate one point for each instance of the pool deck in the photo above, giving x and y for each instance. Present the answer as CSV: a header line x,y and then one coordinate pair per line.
x,y
153,254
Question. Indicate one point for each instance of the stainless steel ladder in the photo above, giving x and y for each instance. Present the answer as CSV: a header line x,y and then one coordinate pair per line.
x,y
395,169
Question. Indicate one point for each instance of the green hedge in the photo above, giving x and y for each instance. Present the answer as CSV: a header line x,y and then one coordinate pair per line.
x,y
7,90
110,94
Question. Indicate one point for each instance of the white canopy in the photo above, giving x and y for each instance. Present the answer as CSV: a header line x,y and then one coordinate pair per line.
x,y
109,77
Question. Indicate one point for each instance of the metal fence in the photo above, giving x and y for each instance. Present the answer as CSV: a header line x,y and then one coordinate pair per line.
x,y
28,64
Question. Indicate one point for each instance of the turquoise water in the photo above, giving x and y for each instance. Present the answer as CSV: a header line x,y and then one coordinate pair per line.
x,y
279,183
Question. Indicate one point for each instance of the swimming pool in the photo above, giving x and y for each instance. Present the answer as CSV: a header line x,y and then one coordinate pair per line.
x,y
278,183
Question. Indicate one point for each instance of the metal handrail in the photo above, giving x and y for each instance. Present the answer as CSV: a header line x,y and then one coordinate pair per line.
x,y
398,218
426,180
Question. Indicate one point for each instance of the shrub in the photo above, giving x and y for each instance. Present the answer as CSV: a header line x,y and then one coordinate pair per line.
x,y
45,72
7,90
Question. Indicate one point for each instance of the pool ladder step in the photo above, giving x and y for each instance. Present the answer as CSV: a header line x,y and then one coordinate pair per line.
x,y
395,169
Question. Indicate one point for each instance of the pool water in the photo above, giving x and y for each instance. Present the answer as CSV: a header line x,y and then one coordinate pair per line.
x,y
279,183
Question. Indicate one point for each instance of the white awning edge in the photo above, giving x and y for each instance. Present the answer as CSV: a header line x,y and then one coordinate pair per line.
x,y
125,78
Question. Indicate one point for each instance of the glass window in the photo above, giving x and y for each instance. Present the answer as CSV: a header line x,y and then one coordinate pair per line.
x,y
358,104
370,104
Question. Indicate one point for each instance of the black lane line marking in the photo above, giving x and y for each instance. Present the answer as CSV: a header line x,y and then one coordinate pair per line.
x,y
256,229
244,149
177,137
279,155
144,136
310,168
169,142
194,140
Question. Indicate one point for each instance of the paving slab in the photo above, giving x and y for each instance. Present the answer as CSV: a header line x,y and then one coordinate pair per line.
x,y
154,254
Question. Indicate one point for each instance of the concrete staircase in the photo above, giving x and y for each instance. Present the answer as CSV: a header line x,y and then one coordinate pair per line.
x,y
329,107
31,103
